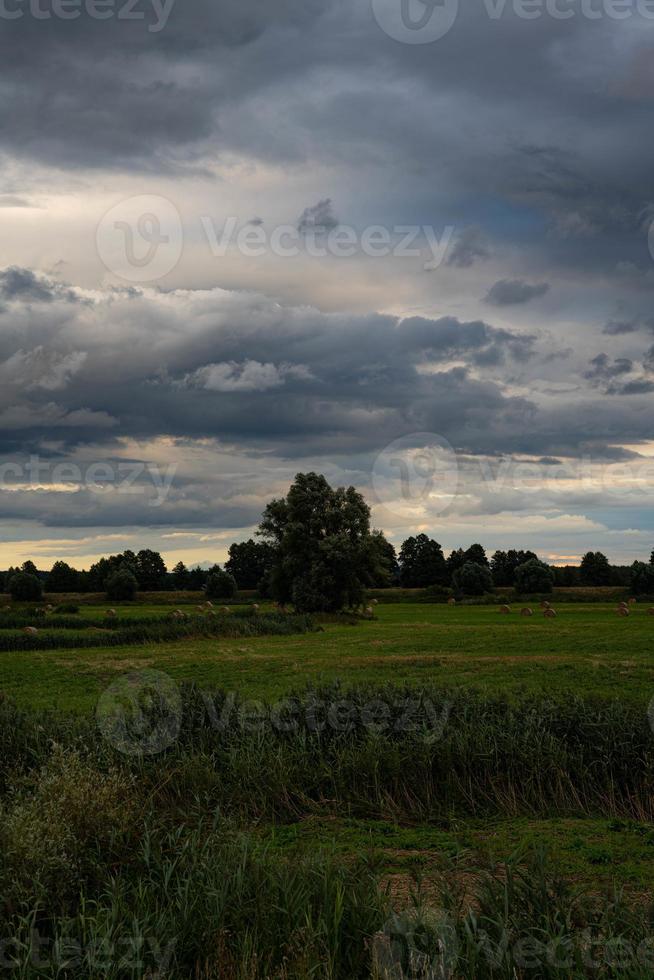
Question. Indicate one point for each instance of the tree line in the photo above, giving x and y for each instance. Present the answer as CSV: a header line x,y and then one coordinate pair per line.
x,y
315,549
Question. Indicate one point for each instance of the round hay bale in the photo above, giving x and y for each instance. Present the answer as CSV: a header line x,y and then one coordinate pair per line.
x,y
544,604
225,609
451,602
549,613
505,610
623,611
30,630
110,613
375,602
526,611
632,602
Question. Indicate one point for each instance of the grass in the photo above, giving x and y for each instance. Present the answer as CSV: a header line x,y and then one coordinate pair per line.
x,y
286,855
588,649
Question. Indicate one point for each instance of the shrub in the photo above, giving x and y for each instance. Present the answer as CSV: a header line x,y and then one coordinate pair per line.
x,y
24,587
533,576
472,579
121,586
60,822
220,585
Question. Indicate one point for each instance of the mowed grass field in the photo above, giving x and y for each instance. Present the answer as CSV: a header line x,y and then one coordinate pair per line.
x,y
587,650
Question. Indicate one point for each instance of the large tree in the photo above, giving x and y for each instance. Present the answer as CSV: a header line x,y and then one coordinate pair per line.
x,y
63,578
250,562
504,564
472,578
422,563
642,578
533,576
150,571
325,553
148,568
388,565
595,569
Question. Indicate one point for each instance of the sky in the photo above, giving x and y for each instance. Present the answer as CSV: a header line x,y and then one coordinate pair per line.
x,y
404,244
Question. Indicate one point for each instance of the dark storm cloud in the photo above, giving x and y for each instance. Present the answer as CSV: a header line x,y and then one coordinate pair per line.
x,y
425,129
318,218
510,292
640,386
23,284
604,369
239,368
618,328
240,373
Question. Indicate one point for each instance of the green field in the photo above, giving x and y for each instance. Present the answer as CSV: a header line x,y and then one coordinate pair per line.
x,y
587,650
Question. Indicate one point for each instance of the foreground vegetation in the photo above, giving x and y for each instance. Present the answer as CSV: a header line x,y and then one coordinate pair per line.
x,y
413,793
213,857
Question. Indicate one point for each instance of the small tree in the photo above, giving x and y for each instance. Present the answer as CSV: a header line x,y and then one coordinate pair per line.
x,y
533,576
472,579
220,584
121,586
24,587
642,578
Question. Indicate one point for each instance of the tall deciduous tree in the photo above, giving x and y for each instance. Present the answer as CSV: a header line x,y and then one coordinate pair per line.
x,y
63,578
249,562
422,562
504,564
595,569
325,553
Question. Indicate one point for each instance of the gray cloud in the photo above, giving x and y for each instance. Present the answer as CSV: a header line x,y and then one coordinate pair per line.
x,y
510,292
469,246
319,218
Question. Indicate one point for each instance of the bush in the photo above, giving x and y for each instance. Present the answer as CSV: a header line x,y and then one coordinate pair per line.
x,y
642,578
63,820
533,576
24,587
220,585
472,579
121,586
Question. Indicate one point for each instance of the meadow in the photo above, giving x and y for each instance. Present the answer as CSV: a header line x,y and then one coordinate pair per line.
x,y
436,791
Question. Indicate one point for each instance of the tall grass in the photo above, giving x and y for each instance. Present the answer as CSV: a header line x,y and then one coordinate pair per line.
x,y
56,634
122,867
